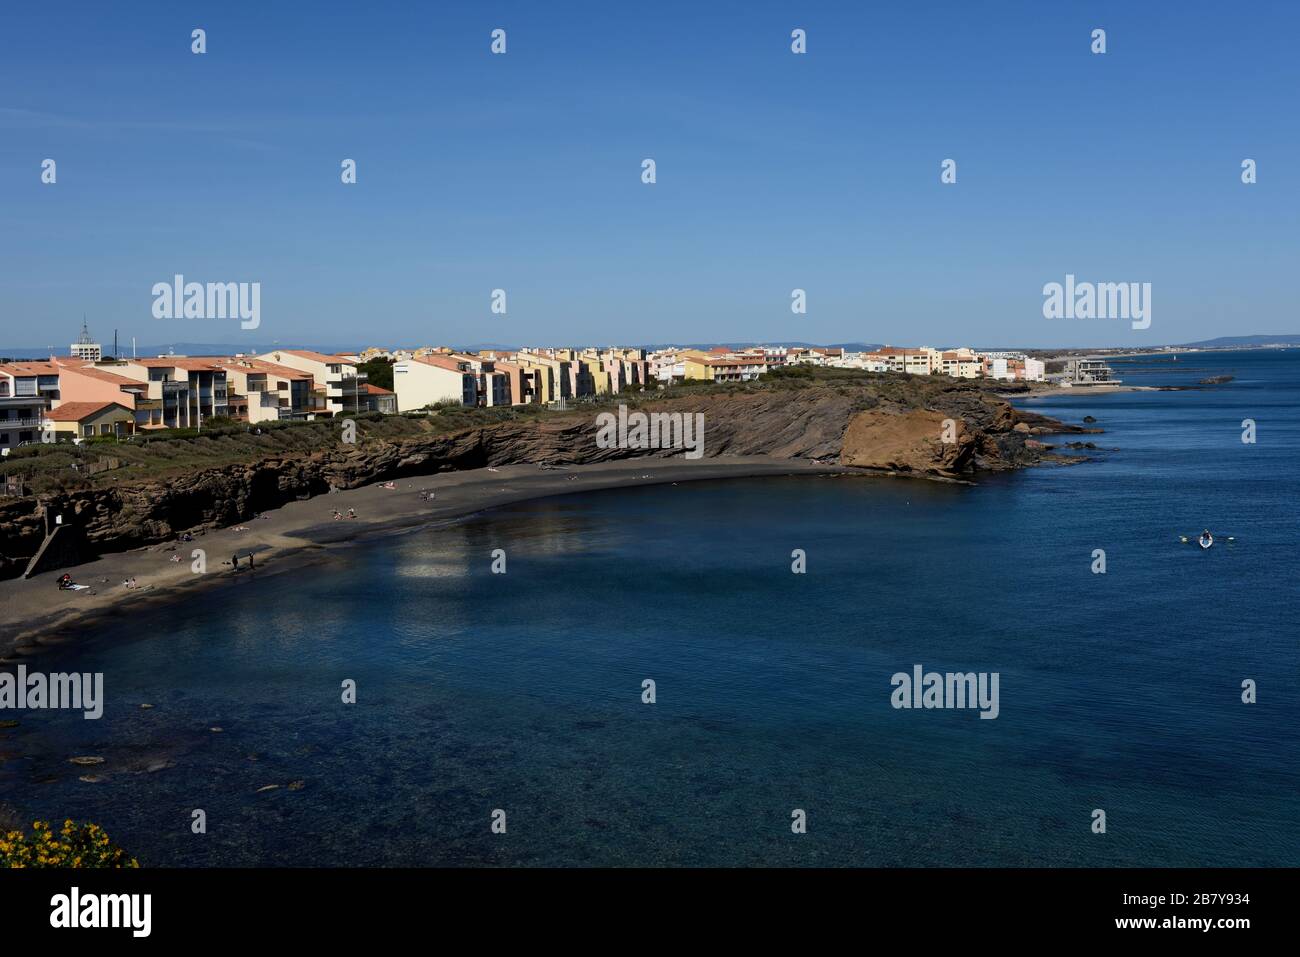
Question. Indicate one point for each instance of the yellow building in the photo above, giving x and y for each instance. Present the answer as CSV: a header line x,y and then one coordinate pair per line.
x,y
83,420
696,365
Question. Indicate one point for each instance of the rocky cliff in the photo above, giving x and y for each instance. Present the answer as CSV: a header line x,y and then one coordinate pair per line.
x,y
939,429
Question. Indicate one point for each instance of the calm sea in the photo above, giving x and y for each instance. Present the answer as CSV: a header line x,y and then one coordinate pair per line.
x,y
523,692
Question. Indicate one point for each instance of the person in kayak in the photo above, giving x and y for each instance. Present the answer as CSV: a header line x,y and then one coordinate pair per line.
x,y
1206,539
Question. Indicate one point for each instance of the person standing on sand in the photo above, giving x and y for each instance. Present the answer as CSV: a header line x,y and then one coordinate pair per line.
x,y
234,561
250,561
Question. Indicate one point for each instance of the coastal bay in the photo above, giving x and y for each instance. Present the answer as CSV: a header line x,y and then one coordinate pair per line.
x,y
523,691
37,613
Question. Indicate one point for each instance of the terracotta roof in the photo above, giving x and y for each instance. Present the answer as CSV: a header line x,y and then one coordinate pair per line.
x,y
373,389
105,376
440,362
188,363
269,368
79,411
314,356
30,368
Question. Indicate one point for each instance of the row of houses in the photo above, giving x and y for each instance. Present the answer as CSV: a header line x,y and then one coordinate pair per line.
x,y
428,377
729,365
85,395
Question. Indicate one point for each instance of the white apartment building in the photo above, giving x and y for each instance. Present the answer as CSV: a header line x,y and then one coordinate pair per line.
x,y
425,380
335,377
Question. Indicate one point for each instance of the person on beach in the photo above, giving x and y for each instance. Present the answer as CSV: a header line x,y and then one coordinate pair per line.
x,y
234,562
337,515
250,561
352,513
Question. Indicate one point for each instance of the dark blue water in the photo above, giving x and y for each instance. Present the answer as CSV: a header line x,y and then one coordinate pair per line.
x,y
523,691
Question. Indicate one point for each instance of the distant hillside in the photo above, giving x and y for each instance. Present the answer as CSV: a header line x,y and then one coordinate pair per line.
x,y
1228,342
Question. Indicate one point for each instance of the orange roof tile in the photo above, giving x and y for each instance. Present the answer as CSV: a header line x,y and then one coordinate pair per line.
x,y
317,356
268,368
30,368
440,362
79,411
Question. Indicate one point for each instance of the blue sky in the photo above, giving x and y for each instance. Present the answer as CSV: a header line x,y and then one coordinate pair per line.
x,y
775,171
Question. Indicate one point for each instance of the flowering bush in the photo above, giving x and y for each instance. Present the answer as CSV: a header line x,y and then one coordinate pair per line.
x,y
76,845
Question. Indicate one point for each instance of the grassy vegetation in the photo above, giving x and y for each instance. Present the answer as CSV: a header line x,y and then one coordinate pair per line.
x,y
61,467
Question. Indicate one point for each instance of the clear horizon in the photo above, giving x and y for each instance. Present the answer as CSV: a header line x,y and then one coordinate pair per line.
x,y
522,172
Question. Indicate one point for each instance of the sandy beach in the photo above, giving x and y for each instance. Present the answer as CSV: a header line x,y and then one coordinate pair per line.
x,y
37,612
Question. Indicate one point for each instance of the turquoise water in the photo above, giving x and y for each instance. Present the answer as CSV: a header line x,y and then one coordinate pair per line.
x,y
523,691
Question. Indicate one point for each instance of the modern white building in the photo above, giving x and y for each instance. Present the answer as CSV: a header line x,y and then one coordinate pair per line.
x,y
335,377
425,380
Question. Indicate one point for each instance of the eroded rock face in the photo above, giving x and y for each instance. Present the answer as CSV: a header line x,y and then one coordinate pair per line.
x,y
893,425
910,441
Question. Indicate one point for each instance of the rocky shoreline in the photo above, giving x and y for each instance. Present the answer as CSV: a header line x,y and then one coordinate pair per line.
x,y
884,426
287,510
